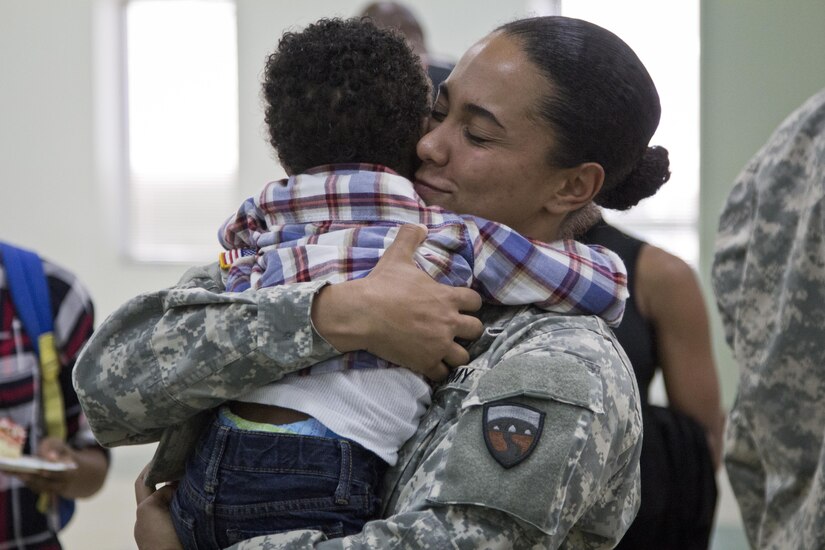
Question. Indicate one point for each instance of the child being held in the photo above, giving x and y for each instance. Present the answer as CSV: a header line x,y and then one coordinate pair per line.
x,y
346,104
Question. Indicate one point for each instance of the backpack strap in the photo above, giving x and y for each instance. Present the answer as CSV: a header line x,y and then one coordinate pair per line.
x,y
29,290
30,295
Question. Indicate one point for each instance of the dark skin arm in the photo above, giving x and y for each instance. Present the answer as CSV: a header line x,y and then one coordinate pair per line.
x,y
668,294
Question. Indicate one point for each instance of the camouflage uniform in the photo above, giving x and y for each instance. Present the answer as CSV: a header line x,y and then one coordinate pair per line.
x,y
573,481
769,279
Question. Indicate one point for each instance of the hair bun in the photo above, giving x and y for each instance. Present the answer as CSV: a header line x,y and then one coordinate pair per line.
x,y
651,172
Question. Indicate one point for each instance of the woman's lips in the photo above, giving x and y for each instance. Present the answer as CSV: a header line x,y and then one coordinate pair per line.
x,y
428,191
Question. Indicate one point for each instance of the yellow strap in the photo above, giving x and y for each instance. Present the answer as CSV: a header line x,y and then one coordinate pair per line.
x,y
50,388
44,503
52,398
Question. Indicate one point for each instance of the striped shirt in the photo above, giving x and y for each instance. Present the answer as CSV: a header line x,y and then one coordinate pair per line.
x,y
334,223
22,526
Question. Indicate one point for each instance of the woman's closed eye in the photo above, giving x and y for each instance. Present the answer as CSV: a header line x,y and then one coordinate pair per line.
x,y
473,138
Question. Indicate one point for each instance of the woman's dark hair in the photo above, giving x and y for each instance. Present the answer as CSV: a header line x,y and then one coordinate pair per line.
x,y
344,91
602,105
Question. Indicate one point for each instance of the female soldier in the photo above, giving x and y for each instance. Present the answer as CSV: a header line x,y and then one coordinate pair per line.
x,y
534,442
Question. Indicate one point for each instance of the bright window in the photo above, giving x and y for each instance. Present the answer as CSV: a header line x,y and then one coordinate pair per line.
x,y
665,36
182,126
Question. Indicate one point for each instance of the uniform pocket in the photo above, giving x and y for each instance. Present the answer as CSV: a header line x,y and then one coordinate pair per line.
x,y
521,436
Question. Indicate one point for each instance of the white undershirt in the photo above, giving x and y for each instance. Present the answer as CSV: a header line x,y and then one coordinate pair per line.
x,y
377,408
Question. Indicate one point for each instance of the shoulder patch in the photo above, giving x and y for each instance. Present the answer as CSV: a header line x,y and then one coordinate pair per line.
x,y
511,431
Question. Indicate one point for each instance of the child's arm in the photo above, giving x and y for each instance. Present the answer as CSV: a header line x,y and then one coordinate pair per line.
x,y
237,231
238,235
563,276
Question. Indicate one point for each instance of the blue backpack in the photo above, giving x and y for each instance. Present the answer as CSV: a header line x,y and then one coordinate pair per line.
x,y
32,303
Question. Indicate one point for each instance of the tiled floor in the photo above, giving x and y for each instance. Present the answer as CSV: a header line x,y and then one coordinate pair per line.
x,y
729,537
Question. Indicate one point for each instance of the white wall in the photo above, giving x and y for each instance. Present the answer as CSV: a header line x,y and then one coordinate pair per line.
x,y
58,169
760,60
52,197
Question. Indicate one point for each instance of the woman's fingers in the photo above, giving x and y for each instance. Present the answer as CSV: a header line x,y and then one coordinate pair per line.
x,y
455,357
465,299
154,529
436,372
399,313
468,327
407,240
142,492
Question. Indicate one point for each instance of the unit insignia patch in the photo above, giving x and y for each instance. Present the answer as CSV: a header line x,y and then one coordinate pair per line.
x,y
511,431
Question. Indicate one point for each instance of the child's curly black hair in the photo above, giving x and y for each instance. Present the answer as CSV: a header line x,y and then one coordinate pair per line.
x,y
344,91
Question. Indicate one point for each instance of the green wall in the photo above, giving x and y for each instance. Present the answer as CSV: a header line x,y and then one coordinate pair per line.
x,y
760,60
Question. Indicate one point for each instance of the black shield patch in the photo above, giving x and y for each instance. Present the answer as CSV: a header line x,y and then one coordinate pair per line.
x,y
511,431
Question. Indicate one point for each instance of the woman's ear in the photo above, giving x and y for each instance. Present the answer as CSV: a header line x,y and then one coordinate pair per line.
x,y
577,189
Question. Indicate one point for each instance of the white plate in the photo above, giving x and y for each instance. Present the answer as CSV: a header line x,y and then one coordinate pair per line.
x,y
33,464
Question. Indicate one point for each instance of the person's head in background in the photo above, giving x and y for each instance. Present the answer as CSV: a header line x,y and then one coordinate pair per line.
x,y
394,15
345,91
541,120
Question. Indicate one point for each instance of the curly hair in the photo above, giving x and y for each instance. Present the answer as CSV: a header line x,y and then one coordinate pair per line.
x,y
344,91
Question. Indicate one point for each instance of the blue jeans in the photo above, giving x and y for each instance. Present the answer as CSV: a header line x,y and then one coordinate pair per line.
x,y
241,484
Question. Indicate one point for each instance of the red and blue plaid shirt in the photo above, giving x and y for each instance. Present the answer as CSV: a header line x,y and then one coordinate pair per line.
x,y
334,222
22,526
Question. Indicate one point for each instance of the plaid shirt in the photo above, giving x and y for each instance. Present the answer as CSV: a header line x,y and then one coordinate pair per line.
x,y
21,525
334,223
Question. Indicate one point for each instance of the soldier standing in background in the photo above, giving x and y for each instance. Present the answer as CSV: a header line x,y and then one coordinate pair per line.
x,y
769,280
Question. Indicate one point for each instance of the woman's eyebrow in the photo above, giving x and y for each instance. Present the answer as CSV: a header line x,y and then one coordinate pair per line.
x,y
479,111
470,108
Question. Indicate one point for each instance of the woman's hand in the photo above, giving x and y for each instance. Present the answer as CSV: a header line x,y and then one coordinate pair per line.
x,y
153,524
399,313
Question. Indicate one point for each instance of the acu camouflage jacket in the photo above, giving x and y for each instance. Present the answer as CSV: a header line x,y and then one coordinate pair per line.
x,y
563,473
769,280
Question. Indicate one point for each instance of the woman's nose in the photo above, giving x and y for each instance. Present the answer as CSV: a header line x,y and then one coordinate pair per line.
x,y
432,147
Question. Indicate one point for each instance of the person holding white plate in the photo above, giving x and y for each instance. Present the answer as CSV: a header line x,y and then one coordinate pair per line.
x,y
59,463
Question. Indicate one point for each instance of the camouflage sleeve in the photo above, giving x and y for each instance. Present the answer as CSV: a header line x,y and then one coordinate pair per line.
x,y
769,281
551,436
434,529
164,356
732,240
438,528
